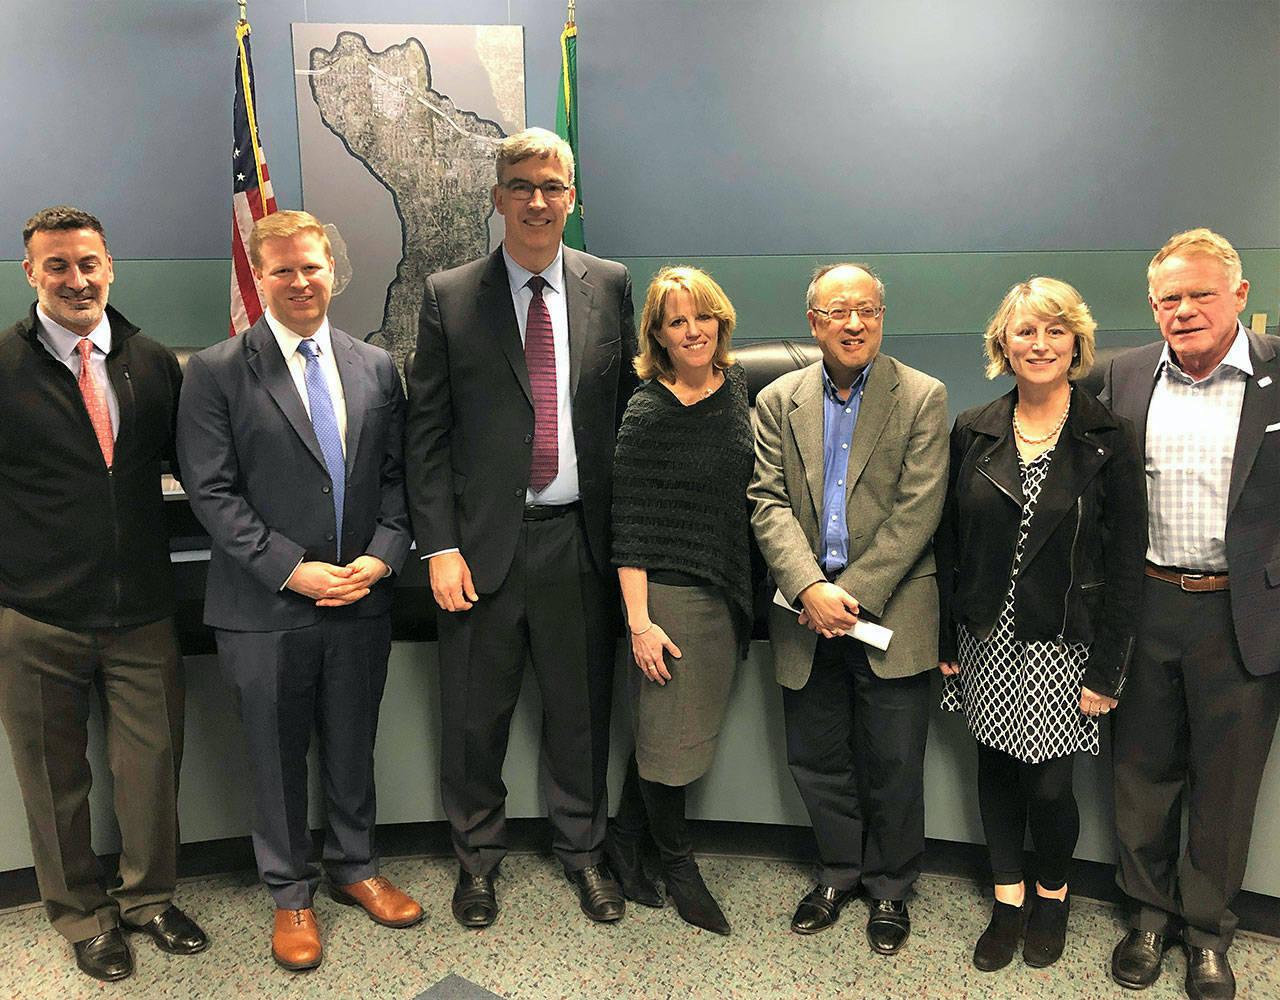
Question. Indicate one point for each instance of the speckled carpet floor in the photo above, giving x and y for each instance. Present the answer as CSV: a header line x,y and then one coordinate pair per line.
x,y
543,948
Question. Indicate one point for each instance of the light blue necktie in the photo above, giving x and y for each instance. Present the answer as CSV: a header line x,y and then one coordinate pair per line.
x,y
325,423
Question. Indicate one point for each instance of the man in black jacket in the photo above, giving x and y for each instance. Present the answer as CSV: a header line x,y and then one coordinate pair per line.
x,y
87,411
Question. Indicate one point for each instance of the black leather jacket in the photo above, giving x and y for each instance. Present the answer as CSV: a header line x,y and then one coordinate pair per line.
x,y
1081,573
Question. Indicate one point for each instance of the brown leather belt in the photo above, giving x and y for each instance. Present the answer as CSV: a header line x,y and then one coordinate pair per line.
x,y
1199,583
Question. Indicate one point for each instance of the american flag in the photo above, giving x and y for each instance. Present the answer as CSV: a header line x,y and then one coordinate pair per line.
x,y
252,197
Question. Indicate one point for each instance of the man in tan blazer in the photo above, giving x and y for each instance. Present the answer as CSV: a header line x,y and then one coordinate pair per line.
x,y
851,466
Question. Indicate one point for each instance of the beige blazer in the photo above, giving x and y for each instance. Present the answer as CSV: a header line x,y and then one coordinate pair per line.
x,y
894,491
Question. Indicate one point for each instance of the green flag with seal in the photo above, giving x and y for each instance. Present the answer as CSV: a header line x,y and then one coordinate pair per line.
x,y
567,124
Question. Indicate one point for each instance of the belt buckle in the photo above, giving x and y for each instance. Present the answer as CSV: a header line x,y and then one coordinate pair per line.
x,y
1184,577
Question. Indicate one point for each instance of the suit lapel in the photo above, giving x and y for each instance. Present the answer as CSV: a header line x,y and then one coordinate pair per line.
x,y
578,294
879,397
805,420
355,389
499,313
1258,409
267,363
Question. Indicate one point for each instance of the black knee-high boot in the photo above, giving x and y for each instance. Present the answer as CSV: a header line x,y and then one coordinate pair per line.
x,y
622,845
665,806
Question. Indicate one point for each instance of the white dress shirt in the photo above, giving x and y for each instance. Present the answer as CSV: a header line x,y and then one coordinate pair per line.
x,y
63,344
297,362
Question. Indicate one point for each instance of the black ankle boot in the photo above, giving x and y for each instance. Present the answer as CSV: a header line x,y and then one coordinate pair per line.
x,y
999,942
1046,931
694,902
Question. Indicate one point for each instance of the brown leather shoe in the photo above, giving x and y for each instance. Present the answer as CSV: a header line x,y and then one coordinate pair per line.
x,y
295,941
384,903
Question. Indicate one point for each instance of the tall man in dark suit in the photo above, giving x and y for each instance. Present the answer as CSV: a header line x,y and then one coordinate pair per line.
x,y
523,366
291,442
87,408
851,472
1203,694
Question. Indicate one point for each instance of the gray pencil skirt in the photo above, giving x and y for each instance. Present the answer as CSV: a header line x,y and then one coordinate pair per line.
x,y
678,723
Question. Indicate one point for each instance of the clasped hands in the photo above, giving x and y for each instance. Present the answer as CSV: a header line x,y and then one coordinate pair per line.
x,y
333,586
829,610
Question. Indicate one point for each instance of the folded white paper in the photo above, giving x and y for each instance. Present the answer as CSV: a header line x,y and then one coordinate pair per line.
x,y
868,632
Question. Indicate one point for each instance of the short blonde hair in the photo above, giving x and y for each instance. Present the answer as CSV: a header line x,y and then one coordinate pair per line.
x,y
1198,243
708,297
282,226
533,142
1044,298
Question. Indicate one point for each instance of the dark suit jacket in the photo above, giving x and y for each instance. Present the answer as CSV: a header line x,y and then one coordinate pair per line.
x,y
469,441
257,480
1253,501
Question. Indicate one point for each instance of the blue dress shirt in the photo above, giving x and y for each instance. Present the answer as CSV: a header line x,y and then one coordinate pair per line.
x,y
839,417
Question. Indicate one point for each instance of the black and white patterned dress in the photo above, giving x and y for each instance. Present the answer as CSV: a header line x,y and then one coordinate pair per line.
x,y
1022,698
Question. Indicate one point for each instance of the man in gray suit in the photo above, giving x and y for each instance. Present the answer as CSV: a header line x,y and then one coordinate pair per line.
x,y
290,438
522,370
1203,694
851,470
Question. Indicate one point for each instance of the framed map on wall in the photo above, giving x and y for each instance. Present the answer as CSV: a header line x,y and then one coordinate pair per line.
x,y
397,126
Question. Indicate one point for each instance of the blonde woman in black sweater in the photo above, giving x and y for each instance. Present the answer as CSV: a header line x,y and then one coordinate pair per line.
x,y
683,461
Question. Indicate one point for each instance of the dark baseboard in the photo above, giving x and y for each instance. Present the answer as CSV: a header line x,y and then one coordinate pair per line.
x,y
1091,879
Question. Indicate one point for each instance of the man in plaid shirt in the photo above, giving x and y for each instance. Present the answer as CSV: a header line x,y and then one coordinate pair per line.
x,y
1200,705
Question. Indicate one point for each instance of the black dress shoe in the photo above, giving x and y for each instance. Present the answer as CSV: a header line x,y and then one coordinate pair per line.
x,y
693,900
623,853
820,908
888,925
105,957
173,931
1135,963
1209,975
1046,931
474,902
598,893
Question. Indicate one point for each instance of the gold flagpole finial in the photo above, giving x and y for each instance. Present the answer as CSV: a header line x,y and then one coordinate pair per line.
x,y
242,3
571,6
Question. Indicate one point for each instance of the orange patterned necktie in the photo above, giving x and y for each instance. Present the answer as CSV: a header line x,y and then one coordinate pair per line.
x,y
95,401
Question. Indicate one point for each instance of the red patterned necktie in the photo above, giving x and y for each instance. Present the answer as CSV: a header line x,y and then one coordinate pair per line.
x,y
540,358
95,401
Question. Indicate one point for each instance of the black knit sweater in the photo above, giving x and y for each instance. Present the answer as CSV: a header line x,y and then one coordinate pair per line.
x,y
680,480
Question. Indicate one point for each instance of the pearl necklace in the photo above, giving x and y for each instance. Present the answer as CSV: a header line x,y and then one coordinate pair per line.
x,y
1022,435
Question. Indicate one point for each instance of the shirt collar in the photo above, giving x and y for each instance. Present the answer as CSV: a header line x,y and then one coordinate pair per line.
x,y
829,387
519,276
1237,357
63,341
289,341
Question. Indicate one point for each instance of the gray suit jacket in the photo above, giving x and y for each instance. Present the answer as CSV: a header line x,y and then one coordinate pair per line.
x,y
258,483
469,441
1253,499
894,490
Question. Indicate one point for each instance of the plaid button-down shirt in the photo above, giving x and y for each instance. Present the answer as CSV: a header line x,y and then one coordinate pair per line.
x,y
1191,438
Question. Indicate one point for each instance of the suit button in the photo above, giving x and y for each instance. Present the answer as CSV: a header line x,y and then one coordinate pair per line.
x,y
519,493
328,538
324,489
528,438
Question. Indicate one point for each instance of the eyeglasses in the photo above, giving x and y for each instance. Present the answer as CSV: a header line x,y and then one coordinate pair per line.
x,y
841,315
522,190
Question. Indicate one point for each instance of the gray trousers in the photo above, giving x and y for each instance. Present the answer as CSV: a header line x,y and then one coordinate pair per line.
x,y
47,678
1192,726
549,609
